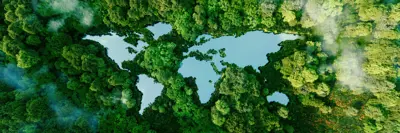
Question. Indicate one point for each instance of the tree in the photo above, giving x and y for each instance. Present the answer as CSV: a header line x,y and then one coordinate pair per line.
x,y
96,85
358,30
118,78
31,24
288,10
92,63
316,12
222,107
200,56
11,47
56,42
240,101
235,82
267,8
294,71
222,53
38,109
283,112
322,90
87,78
27,59
73,54
33,40
217,117
127,98
367,11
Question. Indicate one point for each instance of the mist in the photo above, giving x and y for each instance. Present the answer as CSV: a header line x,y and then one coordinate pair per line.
x,y
66,9
324,18
64,6
14,77
349,70
54,25
66,112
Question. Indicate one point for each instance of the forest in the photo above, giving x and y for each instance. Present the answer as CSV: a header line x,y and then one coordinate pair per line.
x,y
342,75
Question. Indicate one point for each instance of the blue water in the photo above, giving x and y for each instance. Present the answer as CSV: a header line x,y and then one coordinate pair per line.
x,y
160,29
116,48
150,90
278,97
249,49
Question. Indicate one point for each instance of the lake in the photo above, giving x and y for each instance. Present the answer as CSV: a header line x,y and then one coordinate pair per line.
x,y
249,49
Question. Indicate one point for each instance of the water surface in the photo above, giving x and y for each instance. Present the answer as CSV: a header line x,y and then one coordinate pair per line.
x,y
278,97
117,50
249,49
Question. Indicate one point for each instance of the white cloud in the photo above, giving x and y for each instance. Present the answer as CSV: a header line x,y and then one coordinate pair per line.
x,y
349,69
54,25
86,16
68,8
65,6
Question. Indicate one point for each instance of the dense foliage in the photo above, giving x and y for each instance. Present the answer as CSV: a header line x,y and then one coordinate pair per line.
x,y
342,75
